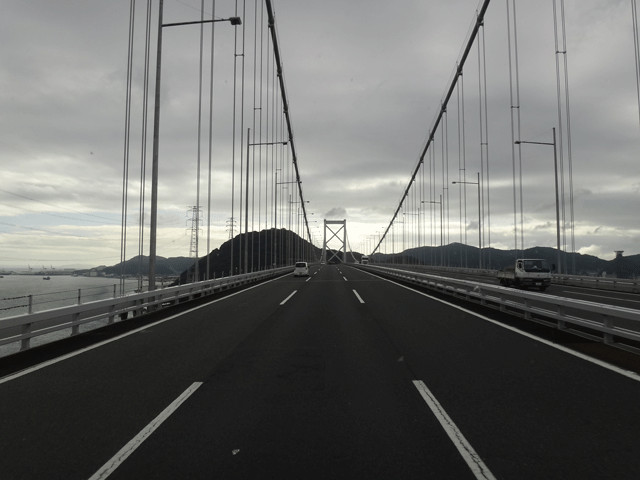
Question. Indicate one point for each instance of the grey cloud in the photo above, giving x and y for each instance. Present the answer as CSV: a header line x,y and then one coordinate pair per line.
x,y
338,213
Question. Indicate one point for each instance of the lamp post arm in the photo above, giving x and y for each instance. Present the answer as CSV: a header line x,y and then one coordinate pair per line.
x,y
518,142
233,20
267,143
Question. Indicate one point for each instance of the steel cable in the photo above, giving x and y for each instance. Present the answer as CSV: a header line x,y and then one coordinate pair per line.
x,y
127,133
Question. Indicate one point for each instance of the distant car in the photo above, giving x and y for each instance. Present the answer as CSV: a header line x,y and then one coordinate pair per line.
x,y
301,269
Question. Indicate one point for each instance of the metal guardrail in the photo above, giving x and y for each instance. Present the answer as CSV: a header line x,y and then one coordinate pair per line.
x,y
604,322
22,328
602,283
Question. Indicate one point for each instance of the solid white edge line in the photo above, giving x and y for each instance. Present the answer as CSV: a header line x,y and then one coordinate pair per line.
x,y
608,366
359,297
286,299
115,461
53,361
469,455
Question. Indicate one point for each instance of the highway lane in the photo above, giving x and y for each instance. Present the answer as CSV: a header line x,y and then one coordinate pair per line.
x,y
325,382
530,410
62,420
316,391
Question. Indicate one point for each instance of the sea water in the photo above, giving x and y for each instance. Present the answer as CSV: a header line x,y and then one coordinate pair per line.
x,y
58,291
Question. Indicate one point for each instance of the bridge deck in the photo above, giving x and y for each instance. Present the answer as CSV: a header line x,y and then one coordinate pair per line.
x,y
322,384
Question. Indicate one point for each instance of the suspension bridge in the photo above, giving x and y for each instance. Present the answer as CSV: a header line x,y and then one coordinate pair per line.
x,y
407,366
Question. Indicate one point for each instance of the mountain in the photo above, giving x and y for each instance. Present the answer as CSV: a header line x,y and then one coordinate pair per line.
x,y
280,246
164,266
273,247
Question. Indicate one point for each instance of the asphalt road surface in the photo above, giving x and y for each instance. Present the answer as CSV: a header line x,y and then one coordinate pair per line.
x,y
339,375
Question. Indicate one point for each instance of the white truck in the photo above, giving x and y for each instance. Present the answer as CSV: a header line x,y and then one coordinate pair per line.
x,y
526,273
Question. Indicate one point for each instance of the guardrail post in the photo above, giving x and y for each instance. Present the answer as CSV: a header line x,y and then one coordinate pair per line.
x,y
483,299
527,306
75,329
112,316
25,343
607,321
562,325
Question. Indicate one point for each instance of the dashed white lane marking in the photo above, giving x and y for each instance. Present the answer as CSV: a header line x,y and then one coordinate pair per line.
x,y
470,456
308,279
287,299
359,297
345,279
109,467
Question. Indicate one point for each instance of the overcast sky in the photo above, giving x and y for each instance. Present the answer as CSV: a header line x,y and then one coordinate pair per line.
x,y
364,79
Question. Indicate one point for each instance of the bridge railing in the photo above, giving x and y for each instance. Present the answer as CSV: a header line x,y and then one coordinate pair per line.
x,y
606,323
22,328
602,283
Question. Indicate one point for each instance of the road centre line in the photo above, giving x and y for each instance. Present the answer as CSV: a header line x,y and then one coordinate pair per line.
x,y
469,455
115,461
286,299
359,297
53,361
608,366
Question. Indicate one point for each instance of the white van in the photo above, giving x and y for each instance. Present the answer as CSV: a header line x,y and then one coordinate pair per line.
x,y
301,269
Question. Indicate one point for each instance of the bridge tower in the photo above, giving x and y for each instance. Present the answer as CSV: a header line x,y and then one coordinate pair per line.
x,y
343,241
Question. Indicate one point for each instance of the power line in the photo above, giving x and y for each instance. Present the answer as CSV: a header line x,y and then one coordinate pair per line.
x,y
52,205
43,230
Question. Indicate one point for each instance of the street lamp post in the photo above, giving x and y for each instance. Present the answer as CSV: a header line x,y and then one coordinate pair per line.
x,y
479,220
555,168
246,216
275,202
301,246
410,233
441,233
156,138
